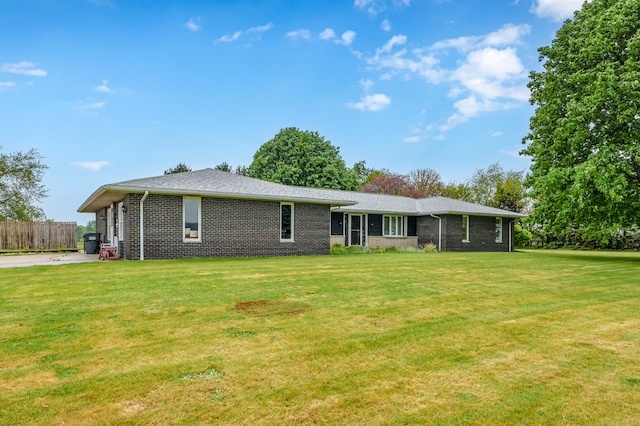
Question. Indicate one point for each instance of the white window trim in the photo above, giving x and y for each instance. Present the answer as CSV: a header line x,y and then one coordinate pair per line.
x,y
292,239
403,224
499,237
184,220
120,221
110,233
465,238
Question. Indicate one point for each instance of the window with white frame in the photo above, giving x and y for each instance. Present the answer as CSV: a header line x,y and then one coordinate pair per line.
x,y
286,222
465,229
120,221
192,218
498,229
393,226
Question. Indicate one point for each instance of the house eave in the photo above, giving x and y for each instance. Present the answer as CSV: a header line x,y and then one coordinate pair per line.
x,y
504,213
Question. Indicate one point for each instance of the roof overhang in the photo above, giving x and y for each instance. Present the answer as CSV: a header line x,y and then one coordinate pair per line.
x,y
505,213
108,194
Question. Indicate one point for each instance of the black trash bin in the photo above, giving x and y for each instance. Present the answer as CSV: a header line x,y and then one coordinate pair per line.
x,y
91,242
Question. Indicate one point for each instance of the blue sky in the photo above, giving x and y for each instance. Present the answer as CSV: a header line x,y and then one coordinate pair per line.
x,y
111,90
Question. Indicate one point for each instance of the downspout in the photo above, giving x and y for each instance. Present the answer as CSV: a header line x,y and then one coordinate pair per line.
x,y
144,197
510,230
439,231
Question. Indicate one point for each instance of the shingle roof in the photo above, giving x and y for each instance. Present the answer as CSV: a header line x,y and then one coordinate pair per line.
x,y
216,183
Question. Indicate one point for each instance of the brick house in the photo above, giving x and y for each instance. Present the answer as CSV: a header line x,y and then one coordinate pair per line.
x,y
210,213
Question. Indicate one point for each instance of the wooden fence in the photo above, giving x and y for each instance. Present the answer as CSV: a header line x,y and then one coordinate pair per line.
x,y
38,235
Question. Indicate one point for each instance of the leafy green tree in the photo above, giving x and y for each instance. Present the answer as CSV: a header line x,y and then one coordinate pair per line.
x,y
224,166
301,158
180,168
496,187
364,174
21,175
81,230
458,191
584,136
522,236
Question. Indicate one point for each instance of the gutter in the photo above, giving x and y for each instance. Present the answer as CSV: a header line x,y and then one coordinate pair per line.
x,y
144,197
439,231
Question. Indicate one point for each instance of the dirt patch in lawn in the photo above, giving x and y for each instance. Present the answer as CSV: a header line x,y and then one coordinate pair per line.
x,y
269,308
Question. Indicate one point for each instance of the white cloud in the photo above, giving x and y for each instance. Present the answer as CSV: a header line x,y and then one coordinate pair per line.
x,y
193,24
103,87
556,10
94,166
486,71
256,31
261,28
374,7
230,38
422,62
4,85
497,134
489,74
90,105
396,40
385,25
327,34
347,38
411,139
509,34
366,85
371,103
24,67
302,33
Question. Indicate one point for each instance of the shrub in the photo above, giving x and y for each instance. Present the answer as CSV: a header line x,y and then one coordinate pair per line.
x,y
338,249
522,236
429,248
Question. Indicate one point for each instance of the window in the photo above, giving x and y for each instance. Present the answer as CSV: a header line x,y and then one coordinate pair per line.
x,y
192,218
120,221
286,222
393,226
498,229
465,229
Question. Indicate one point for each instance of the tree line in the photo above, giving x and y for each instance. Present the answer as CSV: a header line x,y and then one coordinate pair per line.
x,y
304,158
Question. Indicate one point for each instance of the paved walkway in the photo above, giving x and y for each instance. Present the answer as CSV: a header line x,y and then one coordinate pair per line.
x,y
20,260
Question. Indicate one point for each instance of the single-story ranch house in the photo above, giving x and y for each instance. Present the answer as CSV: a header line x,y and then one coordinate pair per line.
x,y
210,213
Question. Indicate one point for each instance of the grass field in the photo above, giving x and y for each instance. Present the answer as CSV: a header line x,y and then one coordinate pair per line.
x,y
387,339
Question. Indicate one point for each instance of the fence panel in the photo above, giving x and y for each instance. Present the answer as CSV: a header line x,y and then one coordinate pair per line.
x,y
38,235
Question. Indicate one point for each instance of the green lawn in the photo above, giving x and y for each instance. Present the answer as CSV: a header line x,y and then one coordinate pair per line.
x,y
398,338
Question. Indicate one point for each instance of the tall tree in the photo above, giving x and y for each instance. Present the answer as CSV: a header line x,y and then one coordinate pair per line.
x,y
458,191
21,185
583,138
302,158
364,174
496,187
180,168
392,185
427,181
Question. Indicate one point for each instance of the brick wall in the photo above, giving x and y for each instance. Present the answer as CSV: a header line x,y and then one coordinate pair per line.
x,y
482,234
229,228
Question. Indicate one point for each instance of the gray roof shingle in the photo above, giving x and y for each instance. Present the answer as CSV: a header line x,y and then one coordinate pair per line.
x,y
216,183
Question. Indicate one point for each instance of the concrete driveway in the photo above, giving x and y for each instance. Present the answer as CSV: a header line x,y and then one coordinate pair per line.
x,y
21,260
